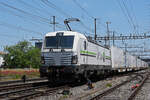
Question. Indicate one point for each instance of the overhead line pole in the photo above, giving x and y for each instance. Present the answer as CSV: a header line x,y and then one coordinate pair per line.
x,y
113,38
95,29
125,54
54,23
108,35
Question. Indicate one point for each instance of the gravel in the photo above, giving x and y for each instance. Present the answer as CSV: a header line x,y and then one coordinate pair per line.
x,y
144,92
121,93
83,91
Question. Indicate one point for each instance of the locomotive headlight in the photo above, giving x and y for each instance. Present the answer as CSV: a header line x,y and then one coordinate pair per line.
x,y
74,59
42,60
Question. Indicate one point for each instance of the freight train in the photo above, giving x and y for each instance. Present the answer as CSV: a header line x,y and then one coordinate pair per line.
x,y
68,55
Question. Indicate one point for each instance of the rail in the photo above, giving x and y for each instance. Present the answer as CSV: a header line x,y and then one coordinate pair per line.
x,y
106,92
134,93
18,86
17,81
38,93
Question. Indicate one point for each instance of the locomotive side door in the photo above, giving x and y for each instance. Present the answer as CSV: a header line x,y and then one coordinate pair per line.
x,y
83,51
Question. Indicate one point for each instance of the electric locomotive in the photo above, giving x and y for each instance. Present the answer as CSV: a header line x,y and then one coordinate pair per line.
x,y
68,55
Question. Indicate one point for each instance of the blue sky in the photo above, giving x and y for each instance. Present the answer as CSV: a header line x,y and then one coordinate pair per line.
x,y
24,19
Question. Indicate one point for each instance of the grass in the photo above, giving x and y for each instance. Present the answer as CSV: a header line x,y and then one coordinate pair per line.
x,y
15,74
108,85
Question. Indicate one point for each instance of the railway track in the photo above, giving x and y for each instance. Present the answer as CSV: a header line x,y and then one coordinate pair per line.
x,y
141,92
32,90
85,94
29,92
135,92
114,92
20,86
40,93
13,85
21,81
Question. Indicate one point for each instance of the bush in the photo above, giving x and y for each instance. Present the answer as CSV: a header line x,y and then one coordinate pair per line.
x,y
108,85
22,55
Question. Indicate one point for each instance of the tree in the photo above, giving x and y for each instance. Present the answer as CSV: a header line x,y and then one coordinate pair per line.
x,y
22,55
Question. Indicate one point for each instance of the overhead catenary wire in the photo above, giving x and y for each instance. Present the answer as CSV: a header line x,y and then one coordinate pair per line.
x,y
50,4
45,11
124,12
42,19
134,16
129,15
89,29
29,14
24,18
26,13
87,13
36,9
9,36
19,28
83,9
60,26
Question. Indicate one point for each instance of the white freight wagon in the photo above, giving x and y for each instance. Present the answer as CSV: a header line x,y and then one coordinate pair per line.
x,y
133,61
123,60
138,63
118,58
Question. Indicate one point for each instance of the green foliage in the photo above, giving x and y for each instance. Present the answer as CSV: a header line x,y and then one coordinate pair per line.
x,y
22,55
108,85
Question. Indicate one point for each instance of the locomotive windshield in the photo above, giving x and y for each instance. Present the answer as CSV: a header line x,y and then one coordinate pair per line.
x,y
65,42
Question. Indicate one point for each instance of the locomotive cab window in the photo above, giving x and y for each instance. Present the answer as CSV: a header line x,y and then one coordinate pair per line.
x,y
65,42
85,45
